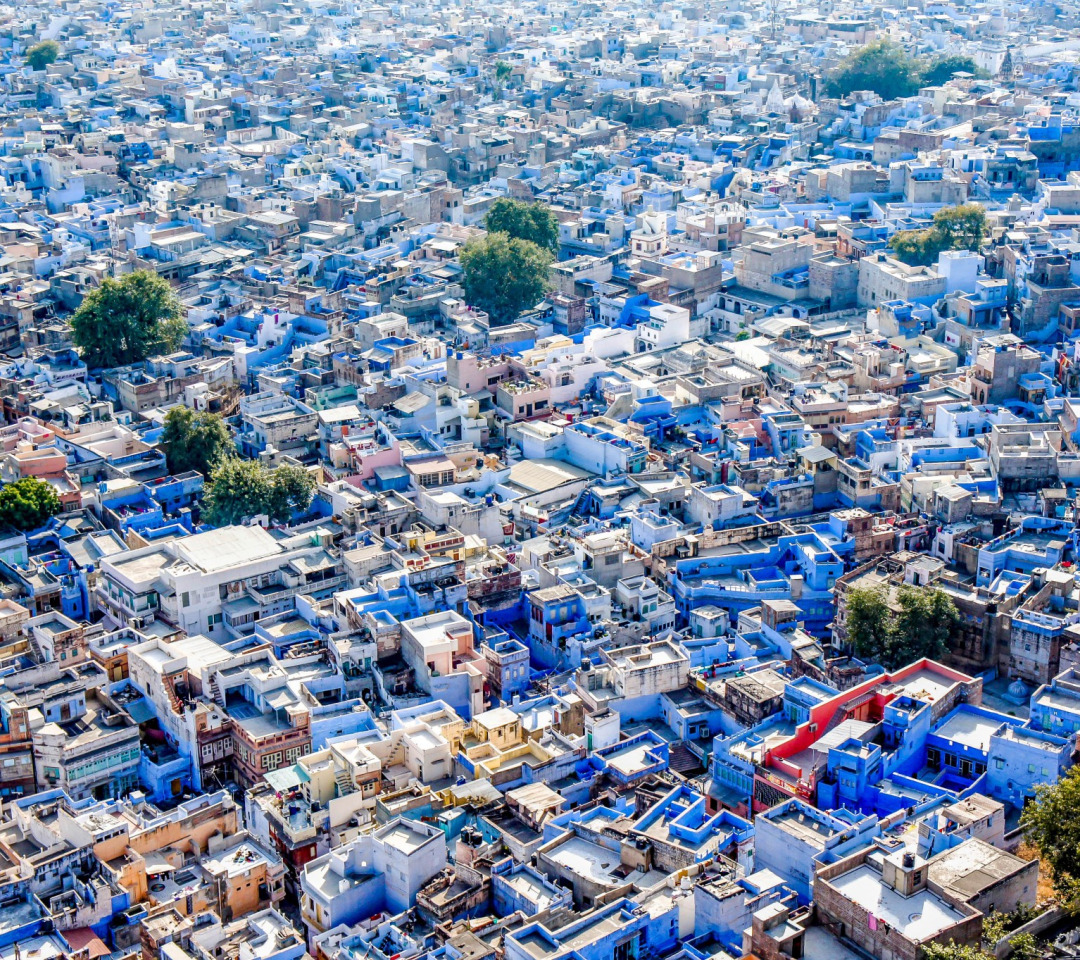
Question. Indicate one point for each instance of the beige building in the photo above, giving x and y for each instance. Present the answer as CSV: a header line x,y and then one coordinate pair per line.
x,y
883,278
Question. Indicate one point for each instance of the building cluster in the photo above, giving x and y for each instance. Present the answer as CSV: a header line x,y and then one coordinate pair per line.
x,y
556,665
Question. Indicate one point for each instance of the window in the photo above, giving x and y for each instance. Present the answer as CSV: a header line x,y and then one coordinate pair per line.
x,y
185,598
271,761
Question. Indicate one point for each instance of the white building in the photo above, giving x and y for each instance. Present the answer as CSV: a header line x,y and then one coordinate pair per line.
x,y
383,870
667,326
216,583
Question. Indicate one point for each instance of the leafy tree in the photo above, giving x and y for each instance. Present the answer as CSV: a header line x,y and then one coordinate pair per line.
x,y
27,504
998,924
866,620
525,221
127,320
882,66
504,275
40,55
952,951
241,489
1052,824
925,625
916,247
921,628
1024,947
237,490
943,69
195,441
962,227
291,490
502,74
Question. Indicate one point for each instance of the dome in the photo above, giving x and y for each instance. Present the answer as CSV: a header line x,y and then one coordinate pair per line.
x,y
1018,689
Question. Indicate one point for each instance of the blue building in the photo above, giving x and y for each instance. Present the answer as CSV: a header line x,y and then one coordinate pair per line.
x,y
1055,706
794,838
1020,759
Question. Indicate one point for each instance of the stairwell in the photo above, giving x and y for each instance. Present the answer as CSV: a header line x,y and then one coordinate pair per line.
x,y
845,712
683,760
345,784
215,692
35,648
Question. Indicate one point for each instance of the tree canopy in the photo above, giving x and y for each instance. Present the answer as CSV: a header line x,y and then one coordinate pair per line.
x,y
127,320
952,951
882,66
921,628
241,489
525,221
1051,823
40,55
27,504
504,275
943,69
887,69
195,441
962,227
503,70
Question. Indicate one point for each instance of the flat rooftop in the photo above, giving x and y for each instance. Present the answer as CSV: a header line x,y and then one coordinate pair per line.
x,y
925,685
403,837
969,729
227,547
235,860
141,569
919,917
587,860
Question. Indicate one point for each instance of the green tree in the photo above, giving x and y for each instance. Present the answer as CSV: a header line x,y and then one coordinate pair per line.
x,y
127,320
943,69
40,55
866,620
502,74
924,626
1051,823
241,489
998,924
237,490
1024,947
916,247
525,221
919,626
195,441
882,66
27,504
504,275
962,227
291,490
952,951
